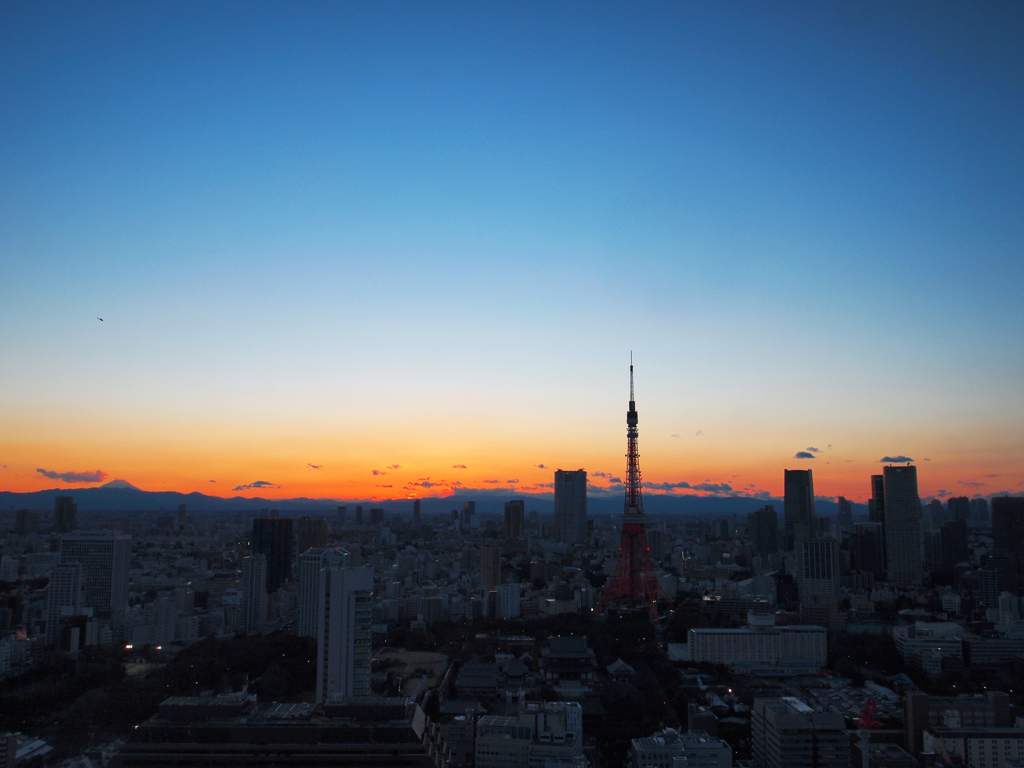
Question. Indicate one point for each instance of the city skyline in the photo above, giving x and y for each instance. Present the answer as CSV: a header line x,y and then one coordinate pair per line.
x,y
387,252
603,482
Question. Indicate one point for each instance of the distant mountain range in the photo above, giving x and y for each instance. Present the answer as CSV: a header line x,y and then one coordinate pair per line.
x,y
122,496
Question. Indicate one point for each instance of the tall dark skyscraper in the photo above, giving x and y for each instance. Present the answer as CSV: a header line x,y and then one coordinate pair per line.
x,y
310,532
799,505
416,519
959,507
65,514
845,512
1008,536
876,504
274,538
466,520
571,505
876,510
979,510
763,530
515,519
902,525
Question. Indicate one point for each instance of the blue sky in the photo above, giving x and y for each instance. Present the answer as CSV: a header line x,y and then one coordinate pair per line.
x,y
799,216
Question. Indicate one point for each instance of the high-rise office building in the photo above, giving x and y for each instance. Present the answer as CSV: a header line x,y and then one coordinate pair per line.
x,y
876,510
63,598
254,591
416,518
466,519
1008,536
959,507
490,567
359,514
182,516
377,516
902,525
105,557
507,604
342,515
979,510
344,626
571,505
311,562
936,515
799,505
515,519
274,538
310,532
845,512
763,530
65,514
817,568
876,504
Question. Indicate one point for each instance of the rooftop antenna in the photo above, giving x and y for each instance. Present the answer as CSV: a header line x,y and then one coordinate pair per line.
x,y
631,398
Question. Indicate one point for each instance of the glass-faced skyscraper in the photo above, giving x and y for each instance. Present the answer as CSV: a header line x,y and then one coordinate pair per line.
x,y
902,524
571,505
274,538
65,514
763,529
799,505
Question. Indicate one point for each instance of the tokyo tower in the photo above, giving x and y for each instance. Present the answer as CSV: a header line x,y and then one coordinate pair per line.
x,y
633,585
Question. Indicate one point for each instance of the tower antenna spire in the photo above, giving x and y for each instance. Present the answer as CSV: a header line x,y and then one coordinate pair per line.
x,y
634,584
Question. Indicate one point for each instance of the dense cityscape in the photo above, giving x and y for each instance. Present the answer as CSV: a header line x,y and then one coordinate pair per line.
x,y
380,635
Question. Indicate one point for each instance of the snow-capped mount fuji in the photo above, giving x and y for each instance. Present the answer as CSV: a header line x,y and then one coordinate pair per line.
x,y
117,483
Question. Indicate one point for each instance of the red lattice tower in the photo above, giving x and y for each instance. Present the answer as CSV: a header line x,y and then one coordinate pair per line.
x,y
634,583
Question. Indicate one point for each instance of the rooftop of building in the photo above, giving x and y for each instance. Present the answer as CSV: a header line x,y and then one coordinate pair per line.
x,y
685,739
571,647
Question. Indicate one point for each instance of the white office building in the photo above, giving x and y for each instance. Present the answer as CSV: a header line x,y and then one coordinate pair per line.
x,y
507,601
63,598
311,562
761,646
978,747
344,626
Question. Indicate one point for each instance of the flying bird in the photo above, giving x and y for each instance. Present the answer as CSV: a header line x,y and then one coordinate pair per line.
x,y
100,319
